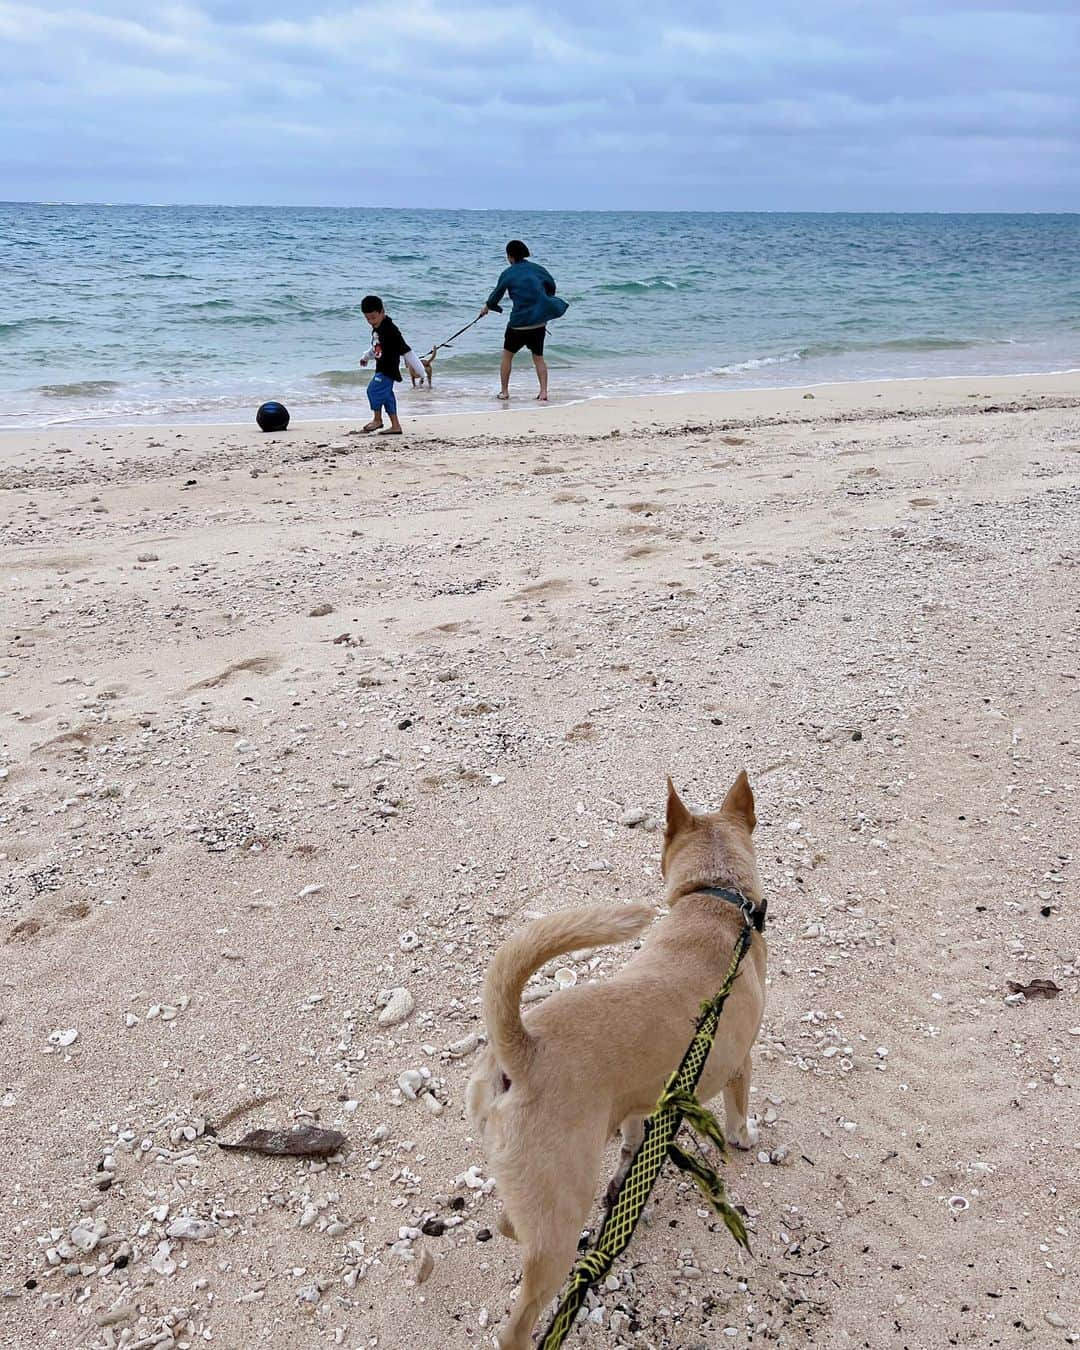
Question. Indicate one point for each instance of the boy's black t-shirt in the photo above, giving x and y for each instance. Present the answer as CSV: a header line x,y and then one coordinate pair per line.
x,y
392,347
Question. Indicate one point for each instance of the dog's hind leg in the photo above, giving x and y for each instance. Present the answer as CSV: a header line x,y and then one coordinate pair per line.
x,y
542,1273
739,1129
633,1132
548,1218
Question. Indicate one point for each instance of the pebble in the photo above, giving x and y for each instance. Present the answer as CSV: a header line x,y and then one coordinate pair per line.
x,y
471,1179
313,889
198,1230
397,1004
162,1261
424,1266
123,1312
411,1083
63,1037
147,557
87,1238
635,816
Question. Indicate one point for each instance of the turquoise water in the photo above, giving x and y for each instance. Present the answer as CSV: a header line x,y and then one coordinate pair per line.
x,y
124,314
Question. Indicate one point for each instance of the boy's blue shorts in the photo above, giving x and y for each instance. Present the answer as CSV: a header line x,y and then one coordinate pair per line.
x,y
380,394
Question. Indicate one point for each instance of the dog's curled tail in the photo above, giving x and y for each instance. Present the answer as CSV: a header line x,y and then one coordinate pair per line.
x,y
524,953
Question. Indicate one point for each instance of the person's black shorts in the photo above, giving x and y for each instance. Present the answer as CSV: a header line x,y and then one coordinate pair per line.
x,y
533,338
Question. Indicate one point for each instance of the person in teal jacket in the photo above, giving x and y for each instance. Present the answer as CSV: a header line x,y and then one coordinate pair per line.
x,y
532,291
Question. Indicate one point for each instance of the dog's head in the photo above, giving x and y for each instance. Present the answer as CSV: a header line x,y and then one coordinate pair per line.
x,y
712,849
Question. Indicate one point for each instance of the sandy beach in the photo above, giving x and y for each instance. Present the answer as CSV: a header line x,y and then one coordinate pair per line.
x,y
291,721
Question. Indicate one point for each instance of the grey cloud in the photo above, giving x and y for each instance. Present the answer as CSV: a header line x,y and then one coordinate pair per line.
x,y
839,104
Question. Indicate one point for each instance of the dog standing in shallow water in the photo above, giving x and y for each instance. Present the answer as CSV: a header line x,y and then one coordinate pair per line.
x,y
550,1091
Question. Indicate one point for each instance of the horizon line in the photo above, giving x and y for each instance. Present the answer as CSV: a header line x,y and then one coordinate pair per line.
x,y
530,210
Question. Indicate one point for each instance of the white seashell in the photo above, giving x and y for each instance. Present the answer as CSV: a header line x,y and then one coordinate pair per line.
x,y
565,977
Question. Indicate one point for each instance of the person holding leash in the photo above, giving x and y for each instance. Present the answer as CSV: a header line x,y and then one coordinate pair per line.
x,y
532,291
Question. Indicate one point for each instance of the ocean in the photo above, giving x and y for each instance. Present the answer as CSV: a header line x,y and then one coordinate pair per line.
x,y
170,314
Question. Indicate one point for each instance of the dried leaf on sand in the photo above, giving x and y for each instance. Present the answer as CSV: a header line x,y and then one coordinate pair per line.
x,y
1034,988
305,1141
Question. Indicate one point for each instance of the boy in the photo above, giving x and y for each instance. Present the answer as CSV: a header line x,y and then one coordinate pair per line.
x,y
387,349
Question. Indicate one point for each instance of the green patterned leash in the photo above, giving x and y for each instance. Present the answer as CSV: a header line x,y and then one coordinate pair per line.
x,y
677,1103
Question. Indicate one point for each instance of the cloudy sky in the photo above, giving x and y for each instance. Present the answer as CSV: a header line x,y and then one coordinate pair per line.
x,y
822,105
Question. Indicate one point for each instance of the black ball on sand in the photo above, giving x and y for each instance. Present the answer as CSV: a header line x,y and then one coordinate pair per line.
x,y
273,417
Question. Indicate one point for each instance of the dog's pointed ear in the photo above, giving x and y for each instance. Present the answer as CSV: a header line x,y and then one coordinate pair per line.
x,y
678,817
739,803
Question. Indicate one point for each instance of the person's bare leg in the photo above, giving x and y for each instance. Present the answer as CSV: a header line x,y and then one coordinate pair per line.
x,y
542,376
504,374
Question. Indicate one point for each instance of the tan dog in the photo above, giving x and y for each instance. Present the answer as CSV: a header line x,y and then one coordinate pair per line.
x,y
549,1092
419,367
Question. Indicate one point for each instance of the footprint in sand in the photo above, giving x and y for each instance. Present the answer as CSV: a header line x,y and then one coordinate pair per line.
x,y
459,774
583,731
642,551
569,498
50,917
448,629
542,590
79,739
922,501
254,665
59,562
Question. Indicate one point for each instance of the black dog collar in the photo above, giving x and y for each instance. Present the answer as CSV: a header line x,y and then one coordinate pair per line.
x,y
752,915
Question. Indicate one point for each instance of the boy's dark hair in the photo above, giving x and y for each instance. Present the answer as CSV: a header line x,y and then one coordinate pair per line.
x,y
371,304
516,250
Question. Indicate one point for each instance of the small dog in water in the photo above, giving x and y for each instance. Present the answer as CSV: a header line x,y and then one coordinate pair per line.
x,y
551,1090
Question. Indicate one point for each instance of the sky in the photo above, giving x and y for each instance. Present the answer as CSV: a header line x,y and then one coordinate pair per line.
x,y
818,105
